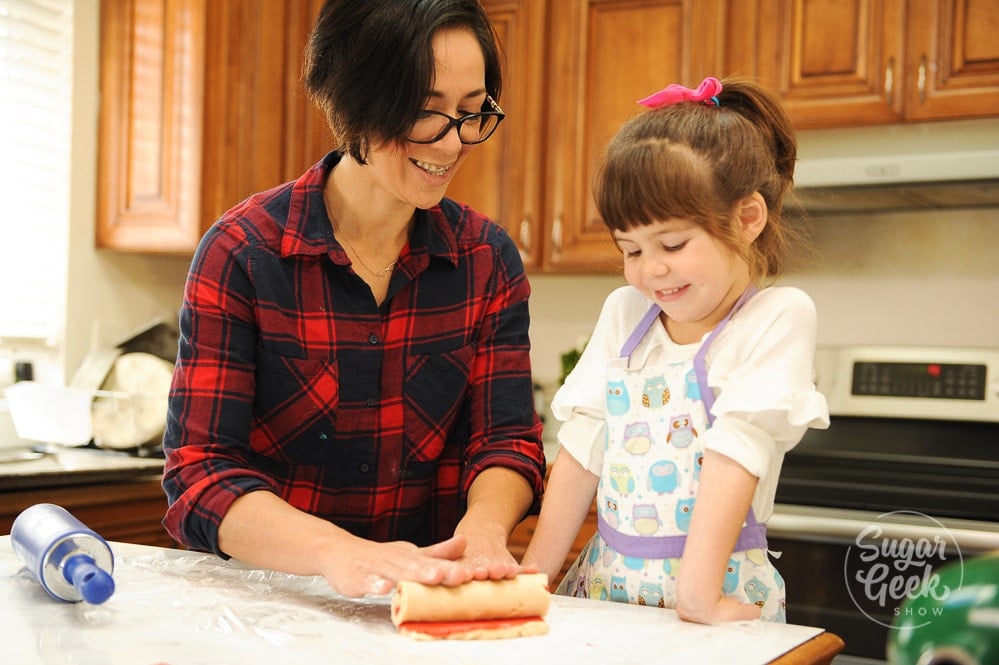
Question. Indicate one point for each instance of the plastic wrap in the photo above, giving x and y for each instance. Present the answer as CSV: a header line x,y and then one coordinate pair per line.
x,y
185,608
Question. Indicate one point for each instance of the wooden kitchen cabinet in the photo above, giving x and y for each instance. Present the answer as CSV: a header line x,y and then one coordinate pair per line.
x,y
125,511
503,177
952,62
570,86
522,534
855,62
201,106
201,101
605,55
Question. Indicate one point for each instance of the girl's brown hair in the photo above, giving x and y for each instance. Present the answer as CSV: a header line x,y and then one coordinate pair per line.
x,y
697,161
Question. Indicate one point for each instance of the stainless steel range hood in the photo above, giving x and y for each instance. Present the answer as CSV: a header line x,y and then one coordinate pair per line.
x,y
894,168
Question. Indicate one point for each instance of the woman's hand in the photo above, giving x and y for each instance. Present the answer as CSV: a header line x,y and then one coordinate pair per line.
x,y
362,567
487,552
261,529
497,500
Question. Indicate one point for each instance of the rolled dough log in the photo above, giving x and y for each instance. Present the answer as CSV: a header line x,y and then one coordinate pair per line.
x,y
481,609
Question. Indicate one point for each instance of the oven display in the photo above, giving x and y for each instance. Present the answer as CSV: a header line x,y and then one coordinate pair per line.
x,y
929,380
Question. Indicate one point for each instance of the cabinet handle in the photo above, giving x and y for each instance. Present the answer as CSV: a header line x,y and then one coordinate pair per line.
x,y
921,79
525,233
890,82
557,235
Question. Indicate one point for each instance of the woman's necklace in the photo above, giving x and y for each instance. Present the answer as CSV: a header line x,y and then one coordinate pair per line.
x,y
384,272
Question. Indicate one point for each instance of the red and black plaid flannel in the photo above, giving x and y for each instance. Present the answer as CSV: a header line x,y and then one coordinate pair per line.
x,y
291,379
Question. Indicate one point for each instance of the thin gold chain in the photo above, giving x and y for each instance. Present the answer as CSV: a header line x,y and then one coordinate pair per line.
x,y
384,272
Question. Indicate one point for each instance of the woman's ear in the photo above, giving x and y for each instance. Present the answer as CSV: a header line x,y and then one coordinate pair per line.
x,y
752,216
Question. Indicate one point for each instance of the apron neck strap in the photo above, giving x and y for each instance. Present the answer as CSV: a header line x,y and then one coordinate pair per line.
x,y
650,316
639,332
700,360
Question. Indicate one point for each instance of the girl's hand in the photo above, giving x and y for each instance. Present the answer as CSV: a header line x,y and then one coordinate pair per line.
x,y
724,609
366,567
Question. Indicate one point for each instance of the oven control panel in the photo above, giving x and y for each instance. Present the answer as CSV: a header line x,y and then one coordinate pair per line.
x,y
910,382
917,379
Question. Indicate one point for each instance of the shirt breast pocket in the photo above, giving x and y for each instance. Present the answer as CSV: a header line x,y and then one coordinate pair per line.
x,y
295,408
436,387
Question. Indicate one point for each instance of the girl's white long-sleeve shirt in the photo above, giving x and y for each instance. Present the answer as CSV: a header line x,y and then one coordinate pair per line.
x,y
760,367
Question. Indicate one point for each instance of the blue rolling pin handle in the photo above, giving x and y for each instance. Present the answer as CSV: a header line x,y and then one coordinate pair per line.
x,y
93,583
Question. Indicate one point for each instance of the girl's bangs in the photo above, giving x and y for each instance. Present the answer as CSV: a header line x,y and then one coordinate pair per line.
x,y
654,180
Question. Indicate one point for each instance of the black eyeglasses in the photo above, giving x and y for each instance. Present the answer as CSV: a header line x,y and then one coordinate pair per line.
x,y
432,126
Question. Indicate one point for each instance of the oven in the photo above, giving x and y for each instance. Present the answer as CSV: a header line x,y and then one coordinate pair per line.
x,y
904,482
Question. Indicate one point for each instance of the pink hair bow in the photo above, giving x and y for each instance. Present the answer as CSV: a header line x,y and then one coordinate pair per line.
x,y
674,93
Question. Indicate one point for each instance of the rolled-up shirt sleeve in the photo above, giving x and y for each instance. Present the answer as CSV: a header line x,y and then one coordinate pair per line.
x,y
506,430
211,399
762,371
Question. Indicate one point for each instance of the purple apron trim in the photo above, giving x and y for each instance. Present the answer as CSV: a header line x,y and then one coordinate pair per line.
x,y
708,395
753,536
700,366
639,332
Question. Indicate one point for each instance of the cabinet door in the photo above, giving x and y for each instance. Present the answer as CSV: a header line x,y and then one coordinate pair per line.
x,y
150,134
835,62
307,134
953,62
201,106
502,178
260,127
243,116
521,536
128,511
605,55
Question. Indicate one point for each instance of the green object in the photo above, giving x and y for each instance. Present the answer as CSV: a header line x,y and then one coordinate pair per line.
x,y
569,360
953,619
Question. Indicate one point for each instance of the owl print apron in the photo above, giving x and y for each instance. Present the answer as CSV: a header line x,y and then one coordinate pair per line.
x,y
648,486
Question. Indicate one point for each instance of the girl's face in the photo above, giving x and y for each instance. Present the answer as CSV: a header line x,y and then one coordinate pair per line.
x,y
691,275
418,174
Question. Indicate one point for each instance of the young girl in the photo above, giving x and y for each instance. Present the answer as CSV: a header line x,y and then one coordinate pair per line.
x,y
696,380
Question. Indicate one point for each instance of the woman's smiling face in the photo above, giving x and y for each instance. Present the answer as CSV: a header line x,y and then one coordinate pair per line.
x,y
418,174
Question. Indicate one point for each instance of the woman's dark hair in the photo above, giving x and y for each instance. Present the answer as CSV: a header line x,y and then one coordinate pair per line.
x,y
369,64
697,161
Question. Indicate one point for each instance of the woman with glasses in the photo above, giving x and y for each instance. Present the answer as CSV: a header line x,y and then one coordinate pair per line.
x,y
352,396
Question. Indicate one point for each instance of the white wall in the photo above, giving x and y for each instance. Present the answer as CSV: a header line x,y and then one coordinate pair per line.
x,y
109,295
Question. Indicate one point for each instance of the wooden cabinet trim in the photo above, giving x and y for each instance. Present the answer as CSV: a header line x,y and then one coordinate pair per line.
x,y
130,511
149,168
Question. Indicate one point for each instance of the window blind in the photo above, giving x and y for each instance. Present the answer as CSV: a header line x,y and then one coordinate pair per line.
x,y
36,59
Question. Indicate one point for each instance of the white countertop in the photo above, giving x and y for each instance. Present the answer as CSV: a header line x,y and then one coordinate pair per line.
x,y
184,608
66,466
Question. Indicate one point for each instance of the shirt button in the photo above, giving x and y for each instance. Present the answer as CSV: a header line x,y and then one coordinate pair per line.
x,y
373,338
364,467
323,436
369,402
